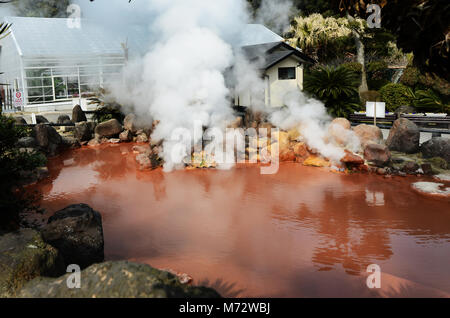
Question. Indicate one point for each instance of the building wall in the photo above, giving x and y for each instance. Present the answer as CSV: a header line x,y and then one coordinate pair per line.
x,y
274,90
279,88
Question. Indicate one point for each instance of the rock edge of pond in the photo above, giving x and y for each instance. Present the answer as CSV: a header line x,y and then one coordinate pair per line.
x,y
34,263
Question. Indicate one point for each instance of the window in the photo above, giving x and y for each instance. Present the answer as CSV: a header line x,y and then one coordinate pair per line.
x,y
286,73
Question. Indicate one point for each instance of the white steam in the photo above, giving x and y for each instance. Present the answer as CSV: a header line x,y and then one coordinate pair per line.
x,y
192,57
275,14
310,117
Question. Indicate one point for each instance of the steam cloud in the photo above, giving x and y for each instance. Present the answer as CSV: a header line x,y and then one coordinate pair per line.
x,y
181,79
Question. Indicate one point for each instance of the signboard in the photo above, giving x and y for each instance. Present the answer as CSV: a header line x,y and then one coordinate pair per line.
x,y
18,99
376,107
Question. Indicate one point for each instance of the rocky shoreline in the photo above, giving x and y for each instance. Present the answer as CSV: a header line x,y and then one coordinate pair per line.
x,y
35,263
401,154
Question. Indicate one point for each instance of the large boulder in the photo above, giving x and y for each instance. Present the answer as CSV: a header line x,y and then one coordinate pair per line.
x,y
24,256
133,123
120,279
377,154
20,120
41,119
368,134
82,131
70,142
78,114
404,136
436,147
343,122
77,232
108,128
64,119
47,139
340,132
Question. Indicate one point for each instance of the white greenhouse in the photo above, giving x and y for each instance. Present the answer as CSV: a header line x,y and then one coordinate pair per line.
x,y
47,64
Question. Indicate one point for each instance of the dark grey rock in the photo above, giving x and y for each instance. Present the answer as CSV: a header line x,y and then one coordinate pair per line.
x,y
109,128
64,119
117,280
92,126
410,167
77,232
82,131
404,136
48,139
41,119
20,120
70,142
78,114
436,147
378,154
427,169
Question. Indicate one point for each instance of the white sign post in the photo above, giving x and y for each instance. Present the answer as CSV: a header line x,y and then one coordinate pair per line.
x,y
376,110
18,99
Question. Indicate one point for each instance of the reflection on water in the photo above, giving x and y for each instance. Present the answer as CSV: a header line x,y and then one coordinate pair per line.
x,y
301,232
374,198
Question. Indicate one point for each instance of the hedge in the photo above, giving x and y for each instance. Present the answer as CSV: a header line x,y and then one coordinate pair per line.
x,y
395,95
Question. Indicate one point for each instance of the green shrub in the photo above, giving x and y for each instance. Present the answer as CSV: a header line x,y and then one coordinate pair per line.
x,y
410,76
13,199
395,95
376,66
353,66
429,101
337,88
432,81
377,75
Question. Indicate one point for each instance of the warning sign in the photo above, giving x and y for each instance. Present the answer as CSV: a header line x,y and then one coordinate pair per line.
x,y
18,99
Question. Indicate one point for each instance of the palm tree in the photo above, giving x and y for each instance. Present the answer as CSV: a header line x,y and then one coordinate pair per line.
x,y
336,87
314,33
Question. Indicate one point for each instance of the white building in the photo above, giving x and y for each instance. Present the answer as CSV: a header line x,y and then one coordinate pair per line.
x,y
53,65
280,66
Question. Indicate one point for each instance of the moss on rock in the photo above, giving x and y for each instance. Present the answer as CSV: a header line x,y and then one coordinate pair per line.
x,y
24,256
120,279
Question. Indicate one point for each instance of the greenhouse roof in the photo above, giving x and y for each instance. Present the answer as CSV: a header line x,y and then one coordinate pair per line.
x,y
254,34
54,37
